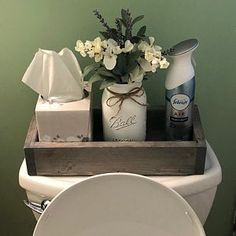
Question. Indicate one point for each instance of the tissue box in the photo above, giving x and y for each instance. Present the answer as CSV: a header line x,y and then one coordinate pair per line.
x,y
64,122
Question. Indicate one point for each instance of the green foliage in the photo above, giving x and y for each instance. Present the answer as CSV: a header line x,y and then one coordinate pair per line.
x,y
107,82
136,19
100,74
126,62
90,68
94,78
123,30
119,57
141,32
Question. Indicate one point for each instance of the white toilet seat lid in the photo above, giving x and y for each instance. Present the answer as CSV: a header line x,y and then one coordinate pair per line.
x,y
118,204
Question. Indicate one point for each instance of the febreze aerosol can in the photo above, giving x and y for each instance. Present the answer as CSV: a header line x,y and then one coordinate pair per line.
x,y
180,89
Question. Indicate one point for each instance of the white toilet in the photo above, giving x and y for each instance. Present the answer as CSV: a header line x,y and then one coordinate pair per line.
x,y
122,204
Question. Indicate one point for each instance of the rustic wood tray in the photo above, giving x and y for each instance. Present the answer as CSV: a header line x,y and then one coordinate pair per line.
x,y
155,156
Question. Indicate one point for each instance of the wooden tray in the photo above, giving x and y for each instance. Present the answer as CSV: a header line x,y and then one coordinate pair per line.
x,y
156,156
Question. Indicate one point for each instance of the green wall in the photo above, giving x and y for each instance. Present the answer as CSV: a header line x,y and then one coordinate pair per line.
x,y
26,26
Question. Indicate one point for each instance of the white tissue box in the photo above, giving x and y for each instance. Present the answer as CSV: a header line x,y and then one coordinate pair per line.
x,y
64,122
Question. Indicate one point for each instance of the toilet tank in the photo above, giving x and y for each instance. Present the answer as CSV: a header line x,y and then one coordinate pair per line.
x,y
198,190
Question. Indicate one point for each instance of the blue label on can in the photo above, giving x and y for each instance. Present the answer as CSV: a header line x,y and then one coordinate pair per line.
x,y
179,106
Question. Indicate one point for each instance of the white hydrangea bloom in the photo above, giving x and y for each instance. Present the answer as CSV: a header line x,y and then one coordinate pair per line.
x,y
107,51
137,74
143,45
98,57
98,49
151,40
152,56
147,66
117,50
80,48
97,45
88,45
157,48
109,59
149,54
111,43
91,53
94,49
128,46
104,44
110,54
164,63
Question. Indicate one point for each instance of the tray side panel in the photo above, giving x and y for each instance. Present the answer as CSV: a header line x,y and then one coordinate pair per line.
x,y
199,137
28,147
96,160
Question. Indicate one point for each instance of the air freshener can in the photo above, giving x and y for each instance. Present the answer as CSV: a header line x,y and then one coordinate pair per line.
x,y
180,89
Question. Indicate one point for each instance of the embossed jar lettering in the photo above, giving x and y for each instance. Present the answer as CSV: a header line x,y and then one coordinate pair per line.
x,y
118,123
124,112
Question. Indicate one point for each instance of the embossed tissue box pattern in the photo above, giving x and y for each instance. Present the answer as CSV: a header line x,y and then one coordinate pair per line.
x,y
64,122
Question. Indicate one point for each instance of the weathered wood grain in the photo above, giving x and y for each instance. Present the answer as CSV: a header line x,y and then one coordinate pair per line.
x,y
156,156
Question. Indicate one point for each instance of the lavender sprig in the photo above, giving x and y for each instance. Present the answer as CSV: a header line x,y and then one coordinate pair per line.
x,y
129,24
120,36
102,20
167,52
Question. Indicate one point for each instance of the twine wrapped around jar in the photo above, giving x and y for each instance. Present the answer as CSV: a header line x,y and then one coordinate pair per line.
x,y
120,97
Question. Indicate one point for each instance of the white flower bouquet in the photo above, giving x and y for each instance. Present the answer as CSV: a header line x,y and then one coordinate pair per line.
x,y
121,57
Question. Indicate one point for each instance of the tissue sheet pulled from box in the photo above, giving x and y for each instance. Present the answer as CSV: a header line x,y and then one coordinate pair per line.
x,y
64,122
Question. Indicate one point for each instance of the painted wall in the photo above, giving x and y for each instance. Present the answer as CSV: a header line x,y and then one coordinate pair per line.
x,y
26,26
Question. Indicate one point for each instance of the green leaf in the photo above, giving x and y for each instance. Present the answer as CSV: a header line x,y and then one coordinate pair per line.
x,y
123,22
128,34
134,55
142,31
131,66
122,63
136,19
119,23
132,60
107,82
125,16
117,71
90,68
125,78
106,73
114,34
94,78
136,39
146,38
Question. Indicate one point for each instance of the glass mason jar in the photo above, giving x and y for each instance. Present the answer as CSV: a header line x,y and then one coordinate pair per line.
x,y
124,112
